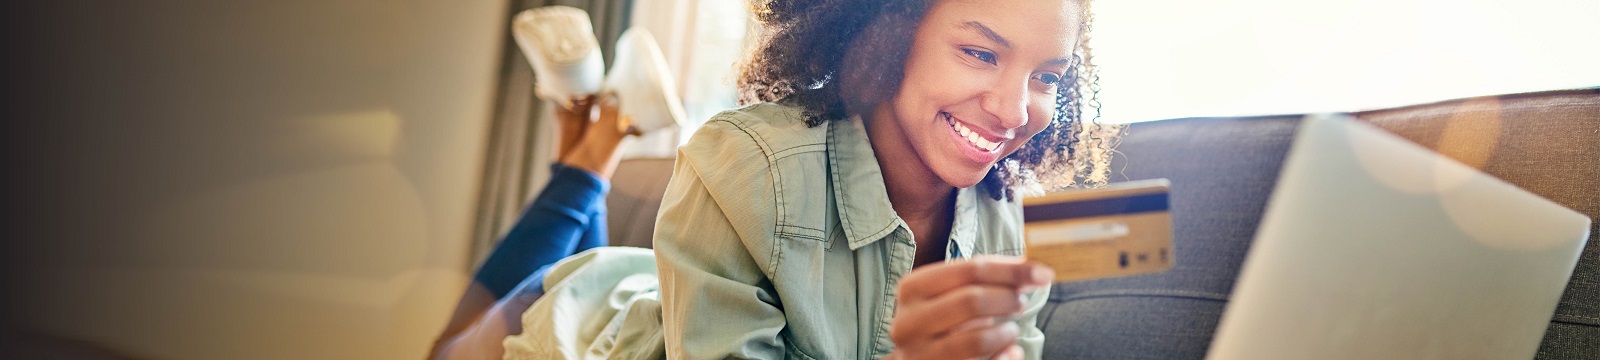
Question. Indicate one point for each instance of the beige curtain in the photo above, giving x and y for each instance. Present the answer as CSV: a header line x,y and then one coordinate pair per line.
x,y
701,40
521,136
672,23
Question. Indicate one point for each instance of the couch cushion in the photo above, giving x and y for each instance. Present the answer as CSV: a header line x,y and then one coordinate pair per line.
x,y
1222,172
636,190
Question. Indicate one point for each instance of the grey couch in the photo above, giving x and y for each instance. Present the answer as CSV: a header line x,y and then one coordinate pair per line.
x,y
1223,170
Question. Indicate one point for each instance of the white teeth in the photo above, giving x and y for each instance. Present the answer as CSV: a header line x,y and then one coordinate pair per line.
x,y
977,140
972,136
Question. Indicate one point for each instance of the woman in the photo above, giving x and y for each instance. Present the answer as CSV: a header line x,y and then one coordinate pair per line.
x,y
821,222
818,225
567,217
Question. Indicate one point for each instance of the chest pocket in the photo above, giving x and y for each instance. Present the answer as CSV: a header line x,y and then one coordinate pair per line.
x,y
804,193
813,274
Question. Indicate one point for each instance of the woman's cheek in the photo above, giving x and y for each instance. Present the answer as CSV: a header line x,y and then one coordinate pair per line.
x,y
954,84
1040,113
1038,120
954,79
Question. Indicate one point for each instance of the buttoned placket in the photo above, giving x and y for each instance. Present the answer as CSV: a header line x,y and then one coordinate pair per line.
x,y
963,230
902,253
855,174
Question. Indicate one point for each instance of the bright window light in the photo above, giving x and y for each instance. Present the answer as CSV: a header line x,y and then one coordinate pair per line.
x,y
1164,59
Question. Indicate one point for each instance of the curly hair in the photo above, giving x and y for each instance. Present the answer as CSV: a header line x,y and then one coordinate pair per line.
x,y
834,58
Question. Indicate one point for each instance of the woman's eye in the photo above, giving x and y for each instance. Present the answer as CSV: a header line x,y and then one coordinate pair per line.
x,y
981,55
1048,81
1050,78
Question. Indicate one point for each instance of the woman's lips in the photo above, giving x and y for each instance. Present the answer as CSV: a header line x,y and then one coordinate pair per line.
x,y
971,136
977,149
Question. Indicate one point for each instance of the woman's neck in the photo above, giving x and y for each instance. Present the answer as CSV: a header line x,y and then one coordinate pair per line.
x,y
921,198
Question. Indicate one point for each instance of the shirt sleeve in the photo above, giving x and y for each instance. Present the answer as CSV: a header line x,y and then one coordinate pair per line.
x,y
712,239
1030,337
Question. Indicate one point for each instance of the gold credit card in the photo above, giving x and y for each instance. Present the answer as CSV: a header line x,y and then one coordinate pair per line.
x,y
1120,230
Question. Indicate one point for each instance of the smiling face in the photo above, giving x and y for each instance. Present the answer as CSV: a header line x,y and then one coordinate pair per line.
x,y
980,81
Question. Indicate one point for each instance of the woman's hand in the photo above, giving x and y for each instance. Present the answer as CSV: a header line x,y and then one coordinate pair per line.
x,y
964,309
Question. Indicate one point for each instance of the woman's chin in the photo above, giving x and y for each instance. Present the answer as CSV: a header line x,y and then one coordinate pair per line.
x,y
963,178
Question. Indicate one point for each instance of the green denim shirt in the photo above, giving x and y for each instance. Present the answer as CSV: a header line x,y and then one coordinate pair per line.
x,y
777,240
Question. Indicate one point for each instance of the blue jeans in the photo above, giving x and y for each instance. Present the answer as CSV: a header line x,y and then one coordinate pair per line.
x,y
568,216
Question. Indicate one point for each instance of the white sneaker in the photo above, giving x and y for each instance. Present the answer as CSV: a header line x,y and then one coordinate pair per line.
x,y
559,42
645,89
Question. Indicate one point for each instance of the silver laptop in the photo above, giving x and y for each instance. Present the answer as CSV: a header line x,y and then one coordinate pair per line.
x,y
1373,247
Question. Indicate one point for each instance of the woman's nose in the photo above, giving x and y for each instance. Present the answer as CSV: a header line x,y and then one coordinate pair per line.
x,y
1007,101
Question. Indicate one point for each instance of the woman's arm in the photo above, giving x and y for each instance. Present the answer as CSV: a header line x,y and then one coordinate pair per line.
x,y
711,237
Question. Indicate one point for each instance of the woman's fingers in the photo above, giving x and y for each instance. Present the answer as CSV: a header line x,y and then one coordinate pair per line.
x,y
1011,353
960,310
978,323
975,343
949,311
932,280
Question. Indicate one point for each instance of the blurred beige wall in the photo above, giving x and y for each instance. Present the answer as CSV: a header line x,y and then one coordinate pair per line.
x,y
258,179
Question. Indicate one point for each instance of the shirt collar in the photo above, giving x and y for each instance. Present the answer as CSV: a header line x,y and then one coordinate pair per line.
x,y
863,203
864,209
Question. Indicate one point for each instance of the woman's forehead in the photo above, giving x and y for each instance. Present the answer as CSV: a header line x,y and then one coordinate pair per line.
x,y
1034,25
1061,10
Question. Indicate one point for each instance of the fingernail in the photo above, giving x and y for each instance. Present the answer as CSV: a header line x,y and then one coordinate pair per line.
x,y
1015,352
1043,274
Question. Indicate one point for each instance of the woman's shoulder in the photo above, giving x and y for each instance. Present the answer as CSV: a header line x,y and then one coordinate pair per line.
x,y
764,128
770,113
756,162
758,152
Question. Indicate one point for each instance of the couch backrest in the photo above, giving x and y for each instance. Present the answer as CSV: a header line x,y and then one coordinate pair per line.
x,y
1547,143
635,196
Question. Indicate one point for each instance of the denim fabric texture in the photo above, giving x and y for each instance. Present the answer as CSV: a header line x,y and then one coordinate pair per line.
x,y
568,216
777,240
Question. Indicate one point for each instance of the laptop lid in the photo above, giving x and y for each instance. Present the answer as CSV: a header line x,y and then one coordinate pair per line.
x,y
1373,247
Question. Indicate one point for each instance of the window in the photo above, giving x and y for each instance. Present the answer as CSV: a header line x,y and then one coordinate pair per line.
x,y
702,41
1169,58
